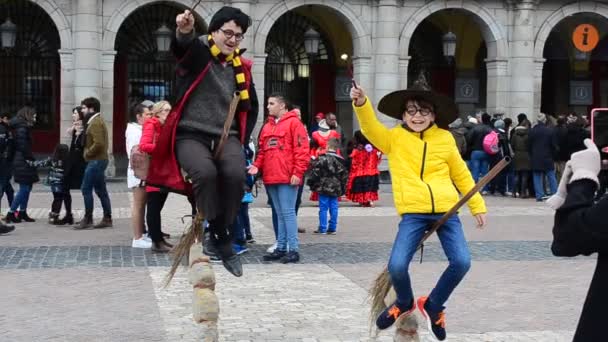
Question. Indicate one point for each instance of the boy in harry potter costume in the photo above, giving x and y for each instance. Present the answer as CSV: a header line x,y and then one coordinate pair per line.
x,y
209,70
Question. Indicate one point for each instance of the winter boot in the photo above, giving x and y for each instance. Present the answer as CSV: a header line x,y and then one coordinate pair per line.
x,y
106,222
85,223
11,218
53,218
6,229
67,219
23,216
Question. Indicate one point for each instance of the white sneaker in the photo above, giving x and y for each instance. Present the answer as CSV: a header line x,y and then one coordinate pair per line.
x,y
272,248
141,243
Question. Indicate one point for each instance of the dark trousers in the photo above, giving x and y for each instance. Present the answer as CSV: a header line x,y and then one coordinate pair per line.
x,y
217,184
522,184
59,198
242,225
6,188
154,205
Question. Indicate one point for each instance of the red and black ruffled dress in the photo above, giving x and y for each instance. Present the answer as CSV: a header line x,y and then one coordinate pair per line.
x,y
364,179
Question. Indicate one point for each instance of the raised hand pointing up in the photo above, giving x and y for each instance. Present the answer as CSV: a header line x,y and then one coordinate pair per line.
x,y
185,22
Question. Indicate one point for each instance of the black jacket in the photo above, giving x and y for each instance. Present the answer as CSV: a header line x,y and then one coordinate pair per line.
x,y
542,144
192,60
7,146
23,172
570,140
76,164
580,228
329,175
475,137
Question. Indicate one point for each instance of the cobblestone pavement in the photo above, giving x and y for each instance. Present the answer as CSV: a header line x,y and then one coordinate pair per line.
x,y
66,285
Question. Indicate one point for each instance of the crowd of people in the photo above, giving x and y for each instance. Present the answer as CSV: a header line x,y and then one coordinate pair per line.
x,y
539,152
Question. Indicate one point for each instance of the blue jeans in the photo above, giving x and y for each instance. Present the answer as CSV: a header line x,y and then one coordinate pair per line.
x,y
539,187
241,224
22,197
328,203
94,178
451,235
284,200
480,164
275,218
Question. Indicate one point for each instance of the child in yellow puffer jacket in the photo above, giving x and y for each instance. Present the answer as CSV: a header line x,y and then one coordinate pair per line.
x,y
427,174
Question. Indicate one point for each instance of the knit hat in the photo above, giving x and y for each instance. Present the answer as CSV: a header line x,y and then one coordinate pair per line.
x,y
542,118
499,124
456,123
320,116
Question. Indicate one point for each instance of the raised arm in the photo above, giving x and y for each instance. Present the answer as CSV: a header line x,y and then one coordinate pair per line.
x,y
371,127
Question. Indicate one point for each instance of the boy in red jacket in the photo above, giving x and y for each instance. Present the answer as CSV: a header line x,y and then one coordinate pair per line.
x,y
283,158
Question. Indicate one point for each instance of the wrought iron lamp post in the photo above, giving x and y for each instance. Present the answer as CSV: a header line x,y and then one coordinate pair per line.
x,y
8,33
163,38
311,45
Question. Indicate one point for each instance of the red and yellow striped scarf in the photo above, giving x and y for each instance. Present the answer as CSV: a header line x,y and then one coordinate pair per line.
x,y
234,59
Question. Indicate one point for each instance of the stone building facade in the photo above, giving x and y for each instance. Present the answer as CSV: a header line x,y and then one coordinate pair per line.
x,y
514,34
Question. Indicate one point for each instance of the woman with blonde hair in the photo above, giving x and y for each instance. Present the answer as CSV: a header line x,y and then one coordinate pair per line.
x,y
155,197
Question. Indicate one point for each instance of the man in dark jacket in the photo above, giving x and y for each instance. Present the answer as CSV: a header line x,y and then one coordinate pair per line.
x,y
480,160
580,228
210,64
542,146
7,152
328,177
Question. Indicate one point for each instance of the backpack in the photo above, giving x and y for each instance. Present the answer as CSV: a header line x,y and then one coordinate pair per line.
x,y
490,143
140,163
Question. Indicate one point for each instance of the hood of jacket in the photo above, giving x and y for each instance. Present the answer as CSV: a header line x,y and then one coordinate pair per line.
x,y
520,130
17,122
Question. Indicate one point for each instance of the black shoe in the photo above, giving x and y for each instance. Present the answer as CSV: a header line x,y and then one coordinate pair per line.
x,y
6,229
165,235
53,218
11,218
274,256
390,315
435,319
249,239
290,257
209,247
23,216
233,264
67,219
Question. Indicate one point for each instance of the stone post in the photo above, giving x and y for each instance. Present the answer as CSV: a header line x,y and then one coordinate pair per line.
x,y
67,101
539,64
87,39
247,43
259,60
522,58
107,103
363,76
404,64
205,304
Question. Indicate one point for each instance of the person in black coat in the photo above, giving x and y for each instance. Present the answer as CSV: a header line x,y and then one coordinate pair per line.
x,y
25,174
580,229
7,152
76,164
543,147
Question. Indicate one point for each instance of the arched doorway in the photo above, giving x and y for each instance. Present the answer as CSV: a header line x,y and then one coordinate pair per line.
x,y
462,75
573,80
309,79
143,70
30,69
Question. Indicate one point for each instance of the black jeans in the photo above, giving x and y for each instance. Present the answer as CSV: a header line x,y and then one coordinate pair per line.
x,y
6,187
154,205
59,198
522,185
217,184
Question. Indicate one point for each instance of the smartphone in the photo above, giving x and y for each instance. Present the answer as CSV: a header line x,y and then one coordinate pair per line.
x,y
599,132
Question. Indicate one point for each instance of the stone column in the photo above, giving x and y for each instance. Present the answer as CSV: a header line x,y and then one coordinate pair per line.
x,y
386,47
539,64
259,61
107,103
498,86
247,43
404,64
522,58
87,39
67,101
363,76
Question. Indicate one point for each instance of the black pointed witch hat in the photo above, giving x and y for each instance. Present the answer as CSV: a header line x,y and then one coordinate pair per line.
x,y
393,104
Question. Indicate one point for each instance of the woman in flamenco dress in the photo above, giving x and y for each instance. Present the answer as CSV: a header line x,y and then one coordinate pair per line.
x,y
364,177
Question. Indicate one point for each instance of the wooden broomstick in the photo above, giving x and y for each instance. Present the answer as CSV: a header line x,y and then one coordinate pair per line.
x,y
480,184
193,234
382,284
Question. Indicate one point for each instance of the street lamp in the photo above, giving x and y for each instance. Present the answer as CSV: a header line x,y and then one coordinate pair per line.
x,y
449,44
163,38
311,41
8,33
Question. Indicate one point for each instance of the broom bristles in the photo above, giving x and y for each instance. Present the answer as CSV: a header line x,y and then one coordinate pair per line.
x,y
377,293
182,249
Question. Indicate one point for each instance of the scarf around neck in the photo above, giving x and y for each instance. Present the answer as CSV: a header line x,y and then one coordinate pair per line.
x,y
235,60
